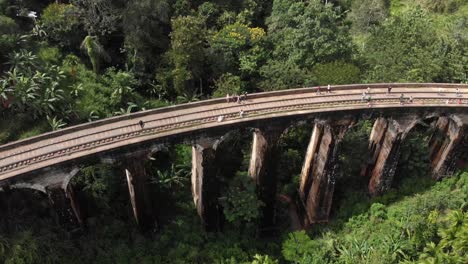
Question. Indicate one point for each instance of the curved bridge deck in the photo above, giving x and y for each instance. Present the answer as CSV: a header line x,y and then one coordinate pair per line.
x,y
101,136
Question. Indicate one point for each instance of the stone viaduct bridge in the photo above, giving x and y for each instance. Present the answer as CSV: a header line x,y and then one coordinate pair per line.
x,y
47,162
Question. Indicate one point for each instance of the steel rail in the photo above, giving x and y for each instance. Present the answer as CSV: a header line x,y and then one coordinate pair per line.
x,y
256,109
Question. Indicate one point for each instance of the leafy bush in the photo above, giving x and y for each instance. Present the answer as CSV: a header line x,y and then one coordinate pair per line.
x,y
337,72
7,25
62,24
241,205
443,6
228,84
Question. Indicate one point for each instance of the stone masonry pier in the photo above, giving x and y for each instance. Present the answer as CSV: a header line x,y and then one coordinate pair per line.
x,y
48,162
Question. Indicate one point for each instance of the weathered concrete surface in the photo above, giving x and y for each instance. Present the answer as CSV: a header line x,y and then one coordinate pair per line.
x,y
317,182
445,145
262,169
49,177
205,184
65,205
87,141
384,146
138,187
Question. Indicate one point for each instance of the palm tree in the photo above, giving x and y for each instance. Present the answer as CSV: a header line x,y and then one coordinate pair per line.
x,y
95,51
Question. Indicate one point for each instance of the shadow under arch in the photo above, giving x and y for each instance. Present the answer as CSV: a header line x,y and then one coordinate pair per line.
x,y
24,208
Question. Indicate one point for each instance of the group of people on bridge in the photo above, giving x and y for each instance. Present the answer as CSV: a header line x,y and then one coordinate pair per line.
x,y
366,96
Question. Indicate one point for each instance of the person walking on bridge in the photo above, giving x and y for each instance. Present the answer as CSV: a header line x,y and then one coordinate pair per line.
x,y
402,98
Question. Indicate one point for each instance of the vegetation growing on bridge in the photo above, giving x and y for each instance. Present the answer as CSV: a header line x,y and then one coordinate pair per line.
x,y
69,62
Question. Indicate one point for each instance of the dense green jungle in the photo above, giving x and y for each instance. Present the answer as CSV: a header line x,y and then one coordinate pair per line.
x,y
64,63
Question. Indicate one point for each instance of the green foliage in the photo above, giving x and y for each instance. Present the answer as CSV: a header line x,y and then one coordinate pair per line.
x,y
228,42
414,155
293,28
174,51
443,6
354,149
144,26
7,25
259,259
187,53
99,17
395,55
241,204
337,72
50,55
368,13
100,184
8,29
62,25
277,75
24,249
296,246
452,246
228,84
95,51
378,212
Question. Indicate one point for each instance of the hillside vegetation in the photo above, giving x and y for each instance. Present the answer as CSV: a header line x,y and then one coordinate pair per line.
x,y
68,62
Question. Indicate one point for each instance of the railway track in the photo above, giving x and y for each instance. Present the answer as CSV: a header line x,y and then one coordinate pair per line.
x,y
56,147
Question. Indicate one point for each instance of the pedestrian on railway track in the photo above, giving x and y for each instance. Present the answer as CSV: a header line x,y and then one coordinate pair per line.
x,y
245,96
328,89
141,123
389,90
238,99
227,98
318,89
241,113
368,90
457,92
402,98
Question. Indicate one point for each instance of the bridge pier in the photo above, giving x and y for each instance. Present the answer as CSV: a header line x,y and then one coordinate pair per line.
x,y
444,145
262,169
384,147
65,205
205,183
318,175
138,187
